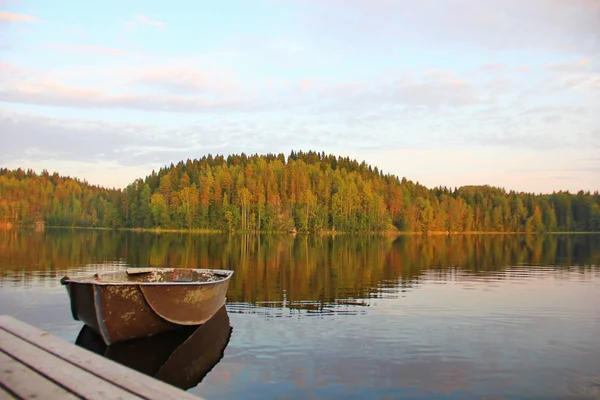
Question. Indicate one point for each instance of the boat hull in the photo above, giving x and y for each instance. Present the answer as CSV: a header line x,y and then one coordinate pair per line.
x,y
124,310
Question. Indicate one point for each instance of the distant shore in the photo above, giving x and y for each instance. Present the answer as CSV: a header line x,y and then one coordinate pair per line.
x,y
4,227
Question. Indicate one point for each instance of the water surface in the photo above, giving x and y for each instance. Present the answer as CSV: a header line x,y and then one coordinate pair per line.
x,y
485,316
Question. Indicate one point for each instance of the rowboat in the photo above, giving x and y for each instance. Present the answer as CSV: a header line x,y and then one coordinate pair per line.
x,y
141,302
181,358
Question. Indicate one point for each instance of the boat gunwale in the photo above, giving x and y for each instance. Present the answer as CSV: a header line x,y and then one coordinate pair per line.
x,y
91,280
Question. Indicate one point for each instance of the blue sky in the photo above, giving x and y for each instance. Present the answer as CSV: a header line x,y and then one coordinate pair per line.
x,y
443,92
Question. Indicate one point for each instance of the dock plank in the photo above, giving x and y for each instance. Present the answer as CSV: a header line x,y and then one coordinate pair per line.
x,y
76,380
4,395
119,375
28,384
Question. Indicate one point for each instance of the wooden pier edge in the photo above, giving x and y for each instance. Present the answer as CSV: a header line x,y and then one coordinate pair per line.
x,y
34,363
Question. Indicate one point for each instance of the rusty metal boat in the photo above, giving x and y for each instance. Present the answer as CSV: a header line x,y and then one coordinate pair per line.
x,y
141,302
181,358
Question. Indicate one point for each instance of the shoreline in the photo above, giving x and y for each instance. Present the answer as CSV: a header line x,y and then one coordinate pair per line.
x,y
284,232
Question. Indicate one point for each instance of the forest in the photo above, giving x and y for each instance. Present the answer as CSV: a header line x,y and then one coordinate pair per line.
x,y
304,192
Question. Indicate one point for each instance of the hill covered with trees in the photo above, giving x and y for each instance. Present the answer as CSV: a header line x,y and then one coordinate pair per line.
x,y
307,192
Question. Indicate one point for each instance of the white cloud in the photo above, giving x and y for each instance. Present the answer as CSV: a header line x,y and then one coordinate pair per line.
x,y
575,66
570,26
13,17
84,48
141,19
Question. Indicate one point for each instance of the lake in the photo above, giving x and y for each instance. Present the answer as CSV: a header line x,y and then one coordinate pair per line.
x,y
466,316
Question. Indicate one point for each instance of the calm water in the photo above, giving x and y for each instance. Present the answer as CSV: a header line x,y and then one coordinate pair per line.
x,y
354,317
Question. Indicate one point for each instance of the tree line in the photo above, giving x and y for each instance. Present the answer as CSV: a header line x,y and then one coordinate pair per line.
x,y
304,192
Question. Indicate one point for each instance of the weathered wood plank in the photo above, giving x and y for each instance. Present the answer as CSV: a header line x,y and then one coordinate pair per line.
x,y
74,379
4,395
142,385
26,383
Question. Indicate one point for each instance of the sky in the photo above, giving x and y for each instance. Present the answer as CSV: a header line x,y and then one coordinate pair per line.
x,y
442,92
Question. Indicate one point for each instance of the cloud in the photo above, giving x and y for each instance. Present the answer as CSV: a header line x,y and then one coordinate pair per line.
x,y
12,17
141,19
43,138
189,91
576,66
434,94
27,87
589,84
492,67
57,95
540,129
570,26
434,108
395,97
577,112
9,72
581,76
85,49
187,81
40,138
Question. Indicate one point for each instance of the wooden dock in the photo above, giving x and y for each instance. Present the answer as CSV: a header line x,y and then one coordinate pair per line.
x,y
35,364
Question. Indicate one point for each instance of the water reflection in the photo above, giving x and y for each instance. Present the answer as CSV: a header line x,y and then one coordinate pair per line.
x,y
329,274
181,358
302,308
468,316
